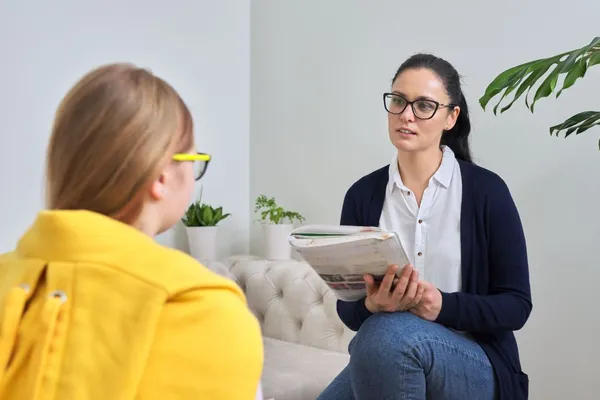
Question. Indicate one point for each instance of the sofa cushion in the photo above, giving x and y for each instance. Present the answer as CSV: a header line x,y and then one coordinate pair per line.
x,y
290,300
298,372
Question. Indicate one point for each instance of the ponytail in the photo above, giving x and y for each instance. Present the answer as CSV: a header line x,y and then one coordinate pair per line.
x,y
457,138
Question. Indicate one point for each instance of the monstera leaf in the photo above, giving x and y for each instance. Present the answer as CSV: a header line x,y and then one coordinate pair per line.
x,y
520,80
578,123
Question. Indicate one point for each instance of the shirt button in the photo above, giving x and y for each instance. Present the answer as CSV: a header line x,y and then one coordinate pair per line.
x,y
419,254
408,193
420,221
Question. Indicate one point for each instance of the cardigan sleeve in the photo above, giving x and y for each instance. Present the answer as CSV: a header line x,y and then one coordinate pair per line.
x,y
508,304
352,313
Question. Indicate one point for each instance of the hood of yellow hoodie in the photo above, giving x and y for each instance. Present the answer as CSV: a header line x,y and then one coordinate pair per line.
x,y
81,236
72,327
62,273
76,235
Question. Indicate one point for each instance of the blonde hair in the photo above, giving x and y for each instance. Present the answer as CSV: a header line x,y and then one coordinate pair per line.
x,y
113,133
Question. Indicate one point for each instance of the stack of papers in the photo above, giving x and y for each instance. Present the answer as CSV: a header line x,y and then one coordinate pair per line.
x,y
342,255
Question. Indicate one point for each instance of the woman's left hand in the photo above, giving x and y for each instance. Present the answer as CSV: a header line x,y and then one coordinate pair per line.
x,y
431,303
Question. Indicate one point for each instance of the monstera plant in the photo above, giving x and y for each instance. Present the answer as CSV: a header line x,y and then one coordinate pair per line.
x,y
521,79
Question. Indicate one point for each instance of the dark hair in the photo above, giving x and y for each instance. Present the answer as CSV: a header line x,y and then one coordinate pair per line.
x,y
456,138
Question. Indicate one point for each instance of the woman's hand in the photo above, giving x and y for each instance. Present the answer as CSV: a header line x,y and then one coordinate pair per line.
x,y
430,304
406,294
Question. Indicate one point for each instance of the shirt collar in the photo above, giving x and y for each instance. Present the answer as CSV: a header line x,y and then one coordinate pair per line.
x,y
443,175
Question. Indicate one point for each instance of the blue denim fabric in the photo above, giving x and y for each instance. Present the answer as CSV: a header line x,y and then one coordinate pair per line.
x,y
401,356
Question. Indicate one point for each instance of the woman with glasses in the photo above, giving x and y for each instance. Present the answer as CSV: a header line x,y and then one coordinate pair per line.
x,y
441,327
91,307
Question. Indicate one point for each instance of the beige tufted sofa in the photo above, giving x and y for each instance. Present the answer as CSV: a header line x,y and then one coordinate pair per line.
x,y
305,341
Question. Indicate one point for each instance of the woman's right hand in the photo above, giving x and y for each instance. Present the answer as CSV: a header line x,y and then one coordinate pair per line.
x,y
406,294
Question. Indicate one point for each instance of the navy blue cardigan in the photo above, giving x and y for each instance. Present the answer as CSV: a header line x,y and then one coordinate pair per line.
x,y
495,298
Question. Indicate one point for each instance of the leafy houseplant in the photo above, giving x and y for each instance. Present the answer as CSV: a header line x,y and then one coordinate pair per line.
x,y
275,231
521,79
270,211
200,214
201,222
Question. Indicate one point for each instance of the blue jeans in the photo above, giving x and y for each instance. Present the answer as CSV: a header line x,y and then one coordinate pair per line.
x,y
401,356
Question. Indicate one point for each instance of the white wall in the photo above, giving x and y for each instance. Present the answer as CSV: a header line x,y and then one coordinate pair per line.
x,y
201,47
318,71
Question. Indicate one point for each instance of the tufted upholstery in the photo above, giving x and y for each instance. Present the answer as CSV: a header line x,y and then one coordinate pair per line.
x,y
290,300
305,342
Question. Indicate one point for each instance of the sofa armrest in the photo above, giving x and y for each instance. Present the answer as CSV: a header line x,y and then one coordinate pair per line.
x,y
291,301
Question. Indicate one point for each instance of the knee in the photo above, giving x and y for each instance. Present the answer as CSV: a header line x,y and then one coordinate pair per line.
x,y
387,336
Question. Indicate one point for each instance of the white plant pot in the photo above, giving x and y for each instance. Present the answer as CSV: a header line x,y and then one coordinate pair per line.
x,y
276,242
202,241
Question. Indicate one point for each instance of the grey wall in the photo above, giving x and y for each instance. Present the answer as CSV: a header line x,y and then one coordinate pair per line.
x,y
317,125
201,47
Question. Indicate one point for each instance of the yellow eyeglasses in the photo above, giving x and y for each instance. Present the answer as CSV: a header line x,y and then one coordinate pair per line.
x,y
200,160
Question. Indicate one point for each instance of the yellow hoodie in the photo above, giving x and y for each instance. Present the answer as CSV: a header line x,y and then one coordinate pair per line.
x,y
91,308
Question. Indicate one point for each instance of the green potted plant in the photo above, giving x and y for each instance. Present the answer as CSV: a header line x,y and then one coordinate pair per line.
x,y
201,221
520,80
277,223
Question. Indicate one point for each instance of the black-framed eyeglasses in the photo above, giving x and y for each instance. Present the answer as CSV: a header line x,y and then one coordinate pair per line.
x,y
200,160
395,103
